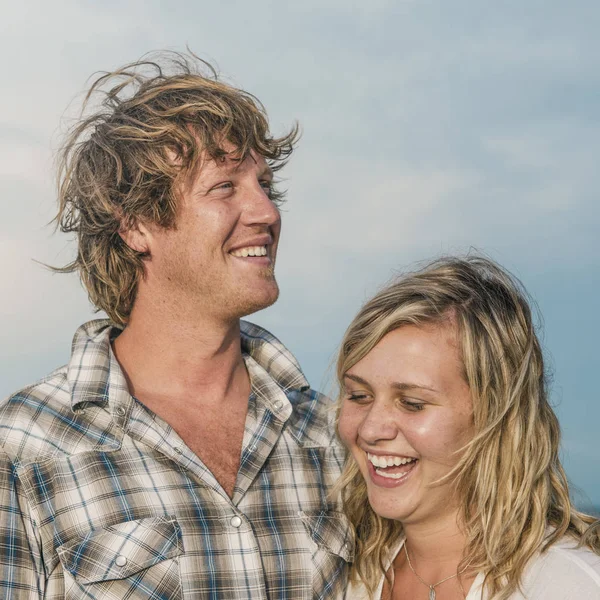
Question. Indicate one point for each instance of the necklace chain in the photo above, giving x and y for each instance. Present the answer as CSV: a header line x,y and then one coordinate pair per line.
x,y
431,586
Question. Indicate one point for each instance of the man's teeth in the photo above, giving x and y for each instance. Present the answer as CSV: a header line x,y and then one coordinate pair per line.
x,y
388,461
250,251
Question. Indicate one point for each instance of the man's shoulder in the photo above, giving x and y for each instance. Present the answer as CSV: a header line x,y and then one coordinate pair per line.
x,y
313,419
25,415
312,422
40,422
272,356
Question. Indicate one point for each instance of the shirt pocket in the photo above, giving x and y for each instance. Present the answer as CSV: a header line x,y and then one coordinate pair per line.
x,y
333,550
134,559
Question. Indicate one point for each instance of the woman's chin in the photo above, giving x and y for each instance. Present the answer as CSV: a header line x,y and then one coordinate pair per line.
x,y
391,506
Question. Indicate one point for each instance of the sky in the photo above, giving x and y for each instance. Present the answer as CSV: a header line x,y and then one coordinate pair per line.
x,y
429,127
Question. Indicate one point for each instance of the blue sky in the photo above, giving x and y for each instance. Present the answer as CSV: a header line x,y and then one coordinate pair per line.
x,y
429,127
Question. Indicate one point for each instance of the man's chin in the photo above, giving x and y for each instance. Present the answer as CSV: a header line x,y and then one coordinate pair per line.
x,y
259,299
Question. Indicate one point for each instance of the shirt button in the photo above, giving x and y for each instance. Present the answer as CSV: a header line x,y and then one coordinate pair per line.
x,y
278,405
235,521
120,561
120,411
178,451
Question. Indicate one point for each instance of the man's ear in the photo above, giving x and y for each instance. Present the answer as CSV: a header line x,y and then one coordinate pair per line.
x,y
137,236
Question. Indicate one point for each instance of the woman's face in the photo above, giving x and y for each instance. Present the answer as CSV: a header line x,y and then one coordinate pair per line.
x,y
406,411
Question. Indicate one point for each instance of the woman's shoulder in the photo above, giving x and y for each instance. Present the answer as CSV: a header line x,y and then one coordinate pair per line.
x,y
564,571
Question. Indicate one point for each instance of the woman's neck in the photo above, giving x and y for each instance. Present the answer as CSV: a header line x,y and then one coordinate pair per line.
x,y
435,547
438,542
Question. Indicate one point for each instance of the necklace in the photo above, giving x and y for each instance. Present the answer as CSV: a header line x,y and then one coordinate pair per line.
x,y
431,586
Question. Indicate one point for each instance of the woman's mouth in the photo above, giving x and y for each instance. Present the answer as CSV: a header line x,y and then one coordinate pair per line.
x,y
390,471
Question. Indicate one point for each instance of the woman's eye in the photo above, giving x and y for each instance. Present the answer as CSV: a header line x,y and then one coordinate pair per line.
x,y
413,406
357,397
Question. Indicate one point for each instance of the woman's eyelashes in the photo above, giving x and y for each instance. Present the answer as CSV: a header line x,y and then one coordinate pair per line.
x,y
412,405
358,397
409,404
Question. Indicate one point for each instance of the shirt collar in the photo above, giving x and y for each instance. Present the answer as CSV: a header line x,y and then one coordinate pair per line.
x,y
92,365
273,357
89,367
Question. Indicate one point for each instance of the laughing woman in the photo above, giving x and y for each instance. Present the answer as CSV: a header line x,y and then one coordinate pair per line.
x,y
453,484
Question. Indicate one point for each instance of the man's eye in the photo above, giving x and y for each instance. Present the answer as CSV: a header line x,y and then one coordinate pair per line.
x,y
267,186
225,185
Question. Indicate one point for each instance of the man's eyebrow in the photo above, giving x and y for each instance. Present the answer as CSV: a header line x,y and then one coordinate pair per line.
x,y
237,161
266,172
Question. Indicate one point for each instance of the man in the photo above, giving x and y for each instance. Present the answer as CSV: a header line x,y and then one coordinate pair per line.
x,y
181,452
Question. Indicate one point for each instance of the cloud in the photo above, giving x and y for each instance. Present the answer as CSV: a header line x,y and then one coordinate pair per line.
x,y
429,127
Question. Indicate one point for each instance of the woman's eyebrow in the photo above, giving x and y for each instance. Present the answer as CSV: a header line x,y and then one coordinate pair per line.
x,y
403,386
399,385
356,378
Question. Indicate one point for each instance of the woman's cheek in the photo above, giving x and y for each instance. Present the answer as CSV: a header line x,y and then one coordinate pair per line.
x,y
347,426
435,436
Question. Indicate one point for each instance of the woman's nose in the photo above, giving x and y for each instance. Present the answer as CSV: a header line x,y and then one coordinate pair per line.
x,y
378,423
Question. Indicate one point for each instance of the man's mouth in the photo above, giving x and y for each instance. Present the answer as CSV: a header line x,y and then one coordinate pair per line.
x,y
249,251
392,466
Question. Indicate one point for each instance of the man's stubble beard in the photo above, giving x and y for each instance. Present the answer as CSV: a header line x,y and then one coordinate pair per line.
x,y
233,303
247,304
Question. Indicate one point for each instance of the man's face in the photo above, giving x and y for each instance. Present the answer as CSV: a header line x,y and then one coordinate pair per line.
x,y
220,257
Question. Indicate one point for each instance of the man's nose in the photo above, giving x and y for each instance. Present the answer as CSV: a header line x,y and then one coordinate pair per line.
x,y
379,423
259,209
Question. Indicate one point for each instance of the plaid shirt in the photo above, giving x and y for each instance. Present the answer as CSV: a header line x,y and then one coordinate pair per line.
x,y
101,499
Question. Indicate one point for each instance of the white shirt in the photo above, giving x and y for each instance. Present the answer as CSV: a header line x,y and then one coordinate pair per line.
x,y
564,572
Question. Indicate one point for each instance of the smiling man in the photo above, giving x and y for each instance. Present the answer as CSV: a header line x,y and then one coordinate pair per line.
x,y
181,453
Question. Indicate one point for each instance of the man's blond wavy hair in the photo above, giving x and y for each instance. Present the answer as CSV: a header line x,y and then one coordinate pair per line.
x,y
511,487
119,165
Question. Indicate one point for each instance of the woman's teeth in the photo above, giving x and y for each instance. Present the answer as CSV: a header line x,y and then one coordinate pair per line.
x,y
382,463
389,461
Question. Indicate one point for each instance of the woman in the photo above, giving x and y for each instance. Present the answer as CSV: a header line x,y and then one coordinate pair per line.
x,y
453,485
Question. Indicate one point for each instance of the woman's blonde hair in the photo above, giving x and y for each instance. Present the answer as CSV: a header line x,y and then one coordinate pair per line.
x,y
513,493
119,165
